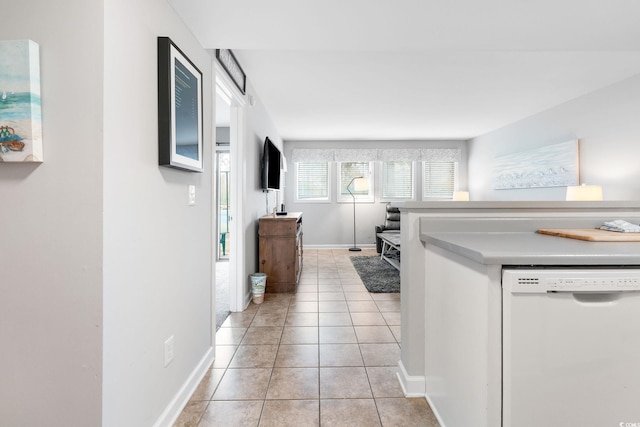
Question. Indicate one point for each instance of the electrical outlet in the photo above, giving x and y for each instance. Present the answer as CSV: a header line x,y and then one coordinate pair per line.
x,y
168,351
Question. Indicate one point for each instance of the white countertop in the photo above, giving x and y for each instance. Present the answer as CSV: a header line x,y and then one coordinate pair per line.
x,y
611,205
530,248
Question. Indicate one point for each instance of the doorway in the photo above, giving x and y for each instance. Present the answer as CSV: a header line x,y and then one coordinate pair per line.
x,y
223,158
223,233
228,183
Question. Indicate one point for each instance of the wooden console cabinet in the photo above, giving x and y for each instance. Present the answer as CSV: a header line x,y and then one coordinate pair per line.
x,y
280,250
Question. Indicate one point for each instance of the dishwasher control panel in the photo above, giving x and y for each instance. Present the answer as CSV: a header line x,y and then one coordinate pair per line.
x,y
570,280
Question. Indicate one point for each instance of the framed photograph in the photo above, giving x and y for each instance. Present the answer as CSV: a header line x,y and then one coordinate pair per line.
x,y
179,109
20,107
227,59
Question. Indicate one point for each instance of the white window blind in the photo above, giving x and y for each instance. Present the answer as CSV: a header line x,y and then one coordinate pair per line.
x,y
347,171
439,179
397,180
313,181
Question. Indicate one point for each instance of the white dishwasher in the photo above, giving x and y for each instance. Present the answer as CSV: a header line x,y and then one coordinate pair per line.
x,y
571,347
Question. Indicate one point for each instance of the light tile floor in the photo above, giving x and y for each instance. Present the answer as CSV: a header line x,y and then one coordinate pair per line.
x,y
324,356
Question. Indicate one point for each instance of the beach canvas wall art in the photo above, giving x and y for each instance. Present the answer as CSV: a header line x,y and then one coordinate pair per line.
x,y
549,166
20,108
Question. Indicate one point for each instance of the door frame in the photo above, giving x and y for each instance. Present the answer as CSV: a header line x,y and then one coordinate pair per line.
x,y
224,86
218,152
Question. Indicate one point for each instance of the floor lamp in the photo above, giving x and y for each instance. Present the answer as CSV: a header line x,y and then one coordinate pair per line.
x,y
359,186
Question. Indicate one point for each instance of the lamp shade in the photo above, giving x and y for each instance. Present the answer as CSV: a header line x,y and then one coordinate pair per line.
x,y
361,184
584,192
461,196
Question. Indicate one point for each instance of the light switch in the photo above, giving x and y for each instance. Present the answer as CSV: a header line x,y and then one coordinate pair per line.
x,y
192,195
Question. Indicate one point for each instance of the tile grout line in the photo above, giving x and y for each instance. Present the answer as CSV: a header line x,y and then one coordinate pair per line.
x,y
329,263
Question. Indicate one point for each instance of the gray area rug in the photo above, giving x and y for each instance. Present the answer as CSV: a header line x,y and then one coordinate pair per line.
x,y
377,275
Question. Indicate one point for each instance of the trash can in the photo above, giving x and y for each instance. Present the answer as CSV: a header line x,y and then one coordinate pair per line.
x,y
258,284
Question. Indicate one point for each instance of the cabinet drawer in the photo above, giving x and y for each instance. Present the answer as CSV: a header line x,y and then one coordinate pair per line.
x,y
280,251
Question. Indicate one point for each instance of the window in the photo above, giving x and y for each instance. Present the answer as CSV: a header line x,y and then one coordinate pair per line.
x,y
363,190
439,180
313,181
397,180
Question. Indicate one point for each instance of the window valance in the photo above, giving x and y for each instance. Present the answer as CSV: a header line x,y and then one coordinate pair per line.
x,y
399,155
441,155
312,155
372,155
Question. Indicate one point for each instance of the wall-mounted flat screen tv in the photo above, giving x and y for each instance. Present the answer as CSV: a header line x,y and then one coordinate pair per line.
x,y
270,166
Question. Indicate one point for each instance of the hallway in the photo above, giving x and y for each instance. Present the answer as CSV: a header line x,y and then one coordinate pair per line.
x,y
325,356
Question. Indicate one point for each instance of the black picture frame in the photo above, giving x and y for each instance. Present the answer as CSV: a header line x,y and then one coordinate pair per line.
x,y
180,129
228,60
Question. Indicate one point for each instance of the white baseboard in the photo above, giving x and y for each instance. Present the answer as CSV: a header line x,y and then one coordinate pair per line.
x,y
412,385
415,386
434,410
180,400
329,247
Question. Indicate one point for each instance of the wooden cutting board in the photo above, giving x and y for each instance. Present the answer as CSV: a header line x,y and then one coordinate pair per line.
x,y
592,234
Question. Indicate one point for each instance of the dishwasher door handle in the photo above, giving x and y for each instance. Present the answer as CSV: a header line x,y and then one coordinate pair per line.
x,y
592,297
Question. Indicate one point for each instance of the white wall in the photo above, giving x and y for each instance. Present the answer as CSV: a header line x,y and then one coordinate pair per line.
x,y
606,123
157,249
258,127
51,228
330,224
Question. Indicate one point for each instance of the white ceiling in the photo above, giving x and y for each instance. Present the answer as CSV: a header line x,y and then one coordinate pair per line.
x,y
418,69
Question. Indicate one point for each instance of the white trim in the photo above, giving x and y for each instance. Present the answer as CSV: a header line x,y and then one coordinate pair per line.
x,y
237,101
228,87
238,199
435,411
214,221
341,246
247,301
314,201
174,408
412,385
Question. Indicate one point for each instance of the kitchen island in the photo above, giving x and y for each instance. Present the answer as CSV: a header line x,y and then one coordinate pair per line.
x,y
453,258
530,248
